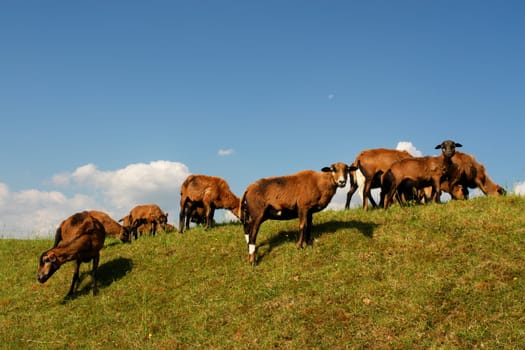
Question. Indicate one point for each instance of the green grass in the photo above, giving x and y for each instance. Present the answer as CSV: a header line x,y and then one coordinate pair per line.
x,y
440,276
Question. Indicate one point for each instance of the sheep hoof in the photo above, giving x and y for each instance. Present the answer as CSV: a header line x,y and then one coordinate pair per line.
x,y
252,260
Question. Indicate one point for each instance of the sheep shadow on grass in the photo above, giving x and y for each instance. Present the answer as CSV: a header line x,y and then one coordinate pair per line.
x,y
265,247
107,273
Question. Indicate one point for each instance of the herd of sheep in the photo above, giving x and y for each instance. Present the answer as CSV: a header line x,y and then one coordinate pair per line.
x,y
400,176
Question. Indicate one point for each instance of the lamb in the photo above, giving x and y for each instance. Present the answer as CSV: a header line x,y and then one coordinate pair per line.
x,y
147,214
419,172
79,237
207,192
288,197
471,174
113,228
371,165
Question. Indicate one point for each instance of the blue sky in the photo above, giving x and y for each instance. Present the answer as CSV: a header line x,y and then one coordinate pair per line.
x,y
109,104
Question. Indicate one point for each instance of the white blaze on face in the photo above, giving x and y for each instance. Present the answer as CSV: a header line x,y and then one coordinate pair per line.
x,y
342,180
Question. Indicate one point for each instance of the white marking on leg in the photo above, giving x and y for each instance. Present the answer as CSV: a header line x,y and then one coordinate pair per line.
x,y
251,249
247,237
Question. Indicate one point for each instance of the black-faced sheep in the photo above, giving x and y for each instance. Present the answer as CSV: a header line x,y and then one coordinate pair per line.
x,y
288,197
419,172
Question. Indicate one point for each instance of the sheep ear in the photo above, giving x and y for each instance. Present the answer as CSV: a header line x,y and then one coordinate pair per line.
x,y
459,145
438,146
326,169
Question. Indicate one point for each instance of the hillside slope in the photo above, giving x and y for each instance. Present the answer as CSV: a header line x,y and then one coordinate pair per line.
x,y
436,276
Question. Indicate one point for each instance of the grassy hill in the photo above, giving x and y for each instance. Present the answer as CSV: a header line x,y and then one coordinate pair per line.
x,y
425,277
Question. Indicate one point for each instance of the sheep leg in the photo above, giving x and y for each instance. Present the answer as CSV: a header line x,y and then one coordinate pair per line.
x,y
389,196
210,211
189,212
181,216
303,226
75,279
372,201
94,274
309,220
189,208
351,191
366,193
153,229
134,228
436,188
254,229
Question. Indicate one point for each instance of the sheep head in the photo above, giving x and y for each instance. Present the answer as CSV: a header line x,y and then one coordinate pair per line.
x,y
47,266
339,172
448,148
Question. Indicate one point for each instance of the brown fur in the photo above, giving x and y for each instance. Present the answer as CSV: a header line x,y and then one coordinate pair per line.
x,y
471,174
289,197
79,237
372,163
147,214
113,228
208,193
419,172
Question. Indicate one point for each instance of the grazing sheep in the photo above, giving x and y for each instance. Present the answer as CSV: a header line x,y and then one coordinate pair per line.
x,y
147,214
372,164
419,172
471,174
208,193
289,197
79,237
112,228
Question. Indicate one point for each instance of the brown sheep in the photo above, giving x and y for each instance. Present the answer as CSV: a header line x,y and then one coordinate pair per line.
x,y
79,237
471,174
207,192
112,228
372,163
147,214
419,172
289,197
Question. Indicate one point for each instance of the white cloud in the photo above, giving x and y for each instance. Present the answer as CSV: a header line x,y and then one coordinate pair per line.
x,y
225,151
33,213
30,213
134,184
519,188
409,147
